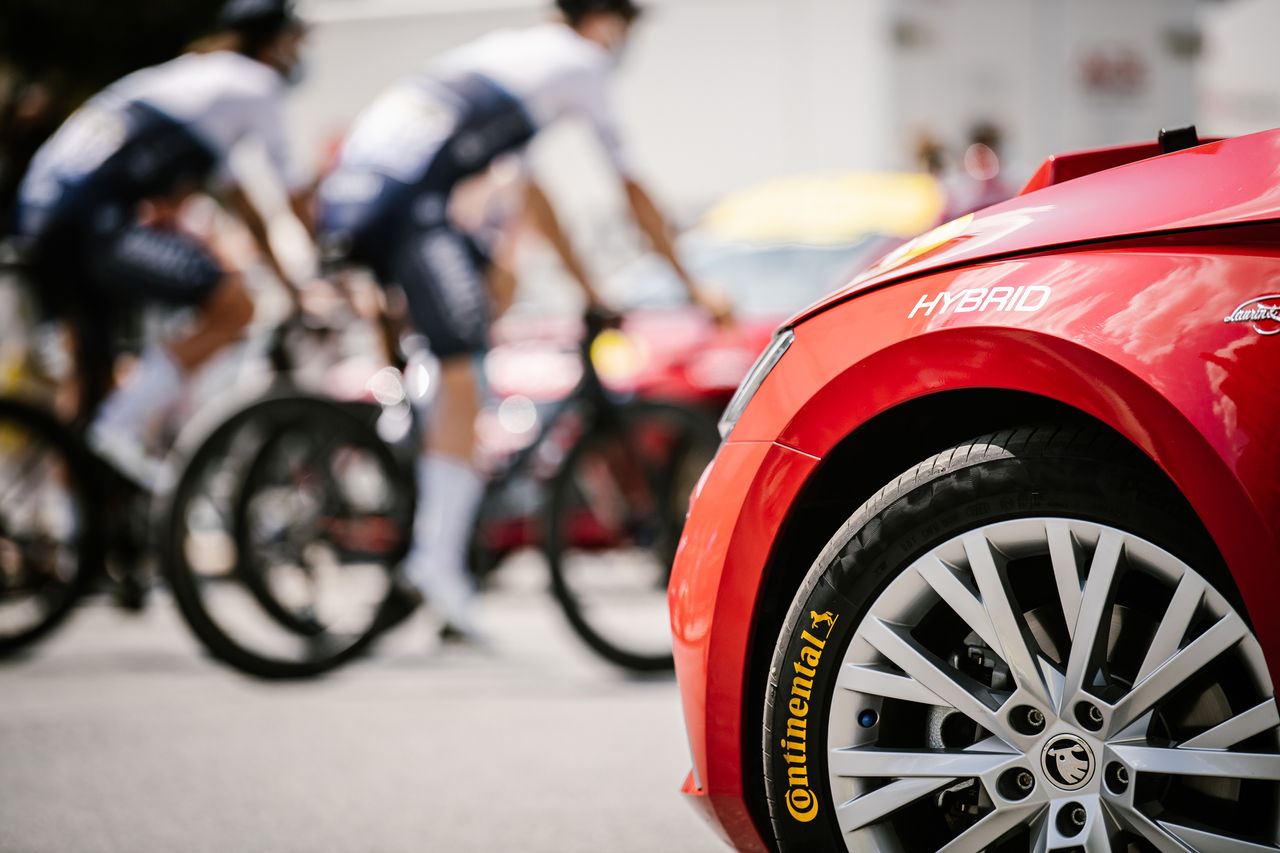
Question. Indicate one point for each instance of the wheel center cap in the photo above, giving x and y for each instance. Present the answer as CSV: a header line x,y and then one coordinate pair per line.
x,y
1068,762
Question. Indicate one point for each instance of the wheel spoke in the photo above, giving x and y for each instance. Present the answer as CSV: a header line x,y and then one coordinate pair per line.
x,y
1198,762
1007,619
1205,841
883,802
992,828
1175,671
871,761
960,597
1066,569
1102,827
1136,822
880,681
1241,727
1173,627
1094,611
1040,835
963,693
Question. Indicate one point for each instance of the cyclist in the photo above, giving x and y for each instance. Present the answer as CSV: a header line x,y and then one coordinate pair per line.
x,y
148,140
386,205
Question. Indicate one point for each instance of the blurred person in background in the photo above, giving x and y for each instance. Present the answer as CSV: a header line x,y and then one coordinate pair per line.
x,y
931,159
387,204
983,167
28,114
143,144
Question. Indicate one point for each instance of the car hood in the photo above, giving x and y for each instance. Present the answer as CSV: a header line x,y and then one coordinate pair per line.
x,y
1227,182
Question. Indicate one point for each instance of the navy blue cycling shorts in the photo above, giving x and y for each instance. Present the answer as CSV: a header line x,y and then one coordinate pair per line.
x,y
402,230
109,258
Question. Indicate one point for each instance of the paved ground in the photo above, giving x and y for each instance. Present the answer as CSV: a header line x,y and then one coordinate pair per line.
x,y
117,735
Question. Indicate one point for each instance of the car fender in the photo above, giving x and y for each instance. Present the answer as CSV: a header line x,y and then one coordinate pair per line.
x,y
1141,340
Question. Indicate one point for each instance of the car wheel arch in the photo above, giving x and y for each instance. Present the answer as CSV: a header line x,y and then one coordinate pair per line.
x,y
852,471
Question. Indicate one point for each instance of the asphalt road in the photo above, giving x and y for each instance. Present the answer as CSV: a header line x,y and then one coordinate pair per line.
x,y
117,734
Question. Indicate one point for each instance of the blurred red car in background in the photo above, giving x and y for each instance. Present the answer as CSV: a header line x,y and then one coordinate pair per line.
x,y
772,249
988,558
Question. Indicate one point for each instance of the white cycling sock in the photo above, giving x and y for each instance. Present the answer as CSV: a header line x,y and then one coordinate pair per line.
x,y
449,493
154,386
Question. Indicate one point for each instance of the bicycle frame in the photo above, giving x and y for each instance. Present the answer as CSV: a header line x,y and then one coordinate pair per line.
x,y
589,397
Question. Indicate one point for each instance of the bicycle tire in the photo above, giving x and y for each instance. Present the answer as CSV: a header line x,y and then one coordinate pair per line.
x,y
264,422
81,487
691,441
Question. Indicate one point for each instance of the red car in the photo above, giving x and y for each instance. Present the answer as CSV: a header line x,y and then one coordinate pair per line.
x,y
989,557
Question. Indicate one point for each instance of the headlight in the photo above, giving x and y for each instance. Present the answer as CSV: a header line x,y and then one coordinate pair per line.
x,y
755,376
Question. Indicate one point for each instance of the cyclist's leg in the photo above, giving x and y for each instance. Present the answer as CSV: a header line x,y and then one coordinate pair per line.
x,y
443,277
135,263
221,320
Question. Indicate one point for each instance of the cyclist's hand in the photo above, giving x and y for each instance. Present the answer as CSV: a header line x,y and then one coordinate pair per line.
x,y
318,297
715,303
599,317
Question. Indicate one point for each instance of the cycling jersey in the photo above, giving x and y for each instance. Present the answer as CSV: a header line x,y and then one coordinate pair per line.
x,y
385,202
548,72
151,132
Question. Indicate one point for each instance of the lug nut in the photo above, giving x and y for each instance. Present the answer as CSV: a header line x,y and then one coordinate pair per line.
x,y
1016,783
1027,720
1071,819
867,718
1117,778
1089,715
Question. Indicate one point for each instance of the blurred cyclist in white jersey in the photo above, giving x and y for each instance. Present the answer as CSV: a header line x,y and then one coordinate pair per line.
x,y
386,205
159,134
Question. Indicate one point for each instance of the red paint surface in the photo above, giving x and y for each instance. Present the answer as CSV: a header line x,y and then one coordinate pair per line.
x,y
1133,336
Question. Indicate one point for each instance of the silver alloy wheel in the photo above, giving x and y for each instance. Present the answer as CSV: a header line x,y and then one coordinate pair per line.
x,y
1054,684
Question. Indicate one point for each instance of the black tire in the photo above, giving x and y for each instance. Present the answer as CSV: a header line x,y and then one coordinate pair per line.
x,y
234,606
38,452
663,449
1074,473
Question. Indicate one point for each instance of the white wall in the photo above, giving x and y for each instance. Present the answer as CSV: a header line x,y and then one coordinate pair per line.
x,y
1239,88
713,94
1055,75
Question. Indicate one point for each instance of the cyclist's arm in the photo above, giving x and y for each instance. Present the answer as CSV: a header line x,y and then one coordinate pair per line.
x,y
598,108
302,204
652,223
543,217
301,191
238,201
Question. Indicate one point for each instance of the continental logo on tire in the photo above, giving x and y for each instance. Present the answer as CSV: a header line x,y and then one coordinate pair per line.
x,y
802,803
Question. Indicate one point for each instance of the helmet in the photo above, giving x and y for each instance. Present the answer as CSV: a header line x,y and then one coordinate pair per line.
x,y
258,18
575,10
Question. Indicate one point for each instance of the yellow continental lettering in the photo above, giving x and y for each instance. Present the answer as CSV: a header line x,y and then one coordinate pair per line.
x,y
796,728
798,707
802,687
802,804
810,656
798,777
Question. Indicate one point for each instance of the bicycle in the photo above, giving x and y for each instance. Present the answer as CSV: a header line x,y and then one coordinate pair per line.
x,y
67,518
618,492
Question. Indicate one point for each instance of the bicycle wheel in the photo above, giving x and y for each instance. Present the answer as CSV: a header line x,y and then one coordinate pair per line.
x,y
284,534
614,518
50,539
